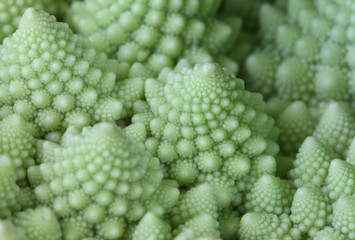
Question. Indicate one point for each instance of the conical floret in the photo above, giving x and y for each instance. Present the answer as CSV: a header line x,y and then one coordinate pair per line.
x,y
54,78
101,181
207,127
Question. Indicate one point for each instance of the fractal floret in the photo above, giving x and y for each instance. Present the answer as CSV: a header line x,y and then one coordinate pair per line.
x,y
54,78
11,12
99,182
311,210
32,224
157,33
326,186
263,226
18,142
207,128
306,52
127,121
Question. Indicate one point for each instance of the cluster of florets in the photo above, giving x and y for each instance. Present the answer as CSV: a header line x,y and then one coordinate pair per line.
x,y
11,12
54,79
206,127
306,52
157,33
149,145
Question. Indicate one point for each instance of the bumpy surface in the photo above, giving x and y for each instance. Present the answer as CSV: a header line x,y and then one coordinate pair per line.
x,y
336,128
101,181
307,52
350,158
208,128
151,227
295,124
12,10
341,179
38,224
311,210
229,224
156,32
329,233
8,231
344,215
8,187
17,141
11,13
312,163
200,227
52,77
197,201
270,195
263,226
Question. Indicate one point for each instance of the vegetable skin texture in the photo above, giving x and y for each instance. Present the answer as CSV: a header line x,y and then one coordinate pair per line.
x,y
12,11
18,142
157,33
305,52
38,224
311,210
8,187
208,128
53,78
295,124
152,227
270,194
260,226
111,182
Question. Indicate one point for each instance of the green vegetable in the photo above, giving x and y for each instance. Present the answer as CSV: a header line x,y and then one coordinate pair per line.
x,y
267,226
101,180
157,33
208,128
305,52
143,143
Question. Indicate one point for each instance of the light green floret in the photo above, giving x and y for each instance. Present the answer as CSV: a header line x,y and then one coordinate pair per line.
x,y
312,52
261,165
270,194
336,128
311,210
350,158
200,227
54,78
39,224
78,228
329,233
194,202
260,68
8,187
151,227
128,91
136,131
8,231
99,181
157,33
207,127
264,226
228,224
11,12
295,124
17,141
312,163
340,179
344,215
